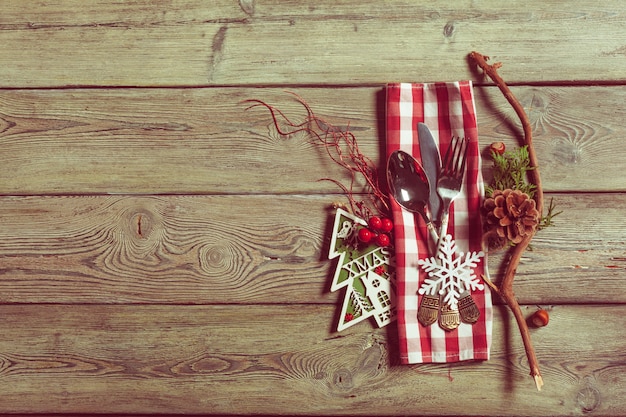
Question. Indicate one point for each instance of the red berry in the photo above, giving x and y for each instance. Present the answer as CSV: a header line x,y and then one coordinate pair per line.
x,y
383,240
540,318
365,235
386,225
375,223
497,147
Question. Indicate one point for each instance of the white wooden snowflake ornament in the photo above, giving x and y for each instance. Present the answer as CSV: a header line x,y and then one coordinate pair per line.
x,y
450,273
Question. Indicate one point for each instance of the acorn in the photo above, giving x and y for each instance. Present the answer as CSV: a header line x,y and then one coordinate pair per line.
x,y
497,148
540,318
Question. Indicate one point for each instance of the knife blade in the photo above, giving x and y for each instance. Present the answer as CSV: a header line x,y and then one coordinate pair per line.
x,y
431,162
430,307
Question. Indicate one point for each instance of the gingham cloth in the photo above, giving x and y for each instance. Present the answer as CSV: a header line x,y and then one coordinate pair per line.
x,y
448,110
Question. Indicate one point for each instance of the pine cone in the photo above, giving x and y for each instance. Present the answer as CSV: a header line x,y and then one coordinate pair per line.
x,y
511,214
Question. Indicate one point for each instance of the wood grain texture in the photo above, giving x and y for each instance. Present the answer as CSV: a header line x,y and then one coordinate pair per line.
x,y
112,43
256,249
182,141
201,359
277,42
163,250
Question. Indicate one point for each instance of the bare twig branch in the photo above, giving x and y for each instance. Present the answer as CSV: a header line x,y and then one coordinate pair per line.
x,y
505,289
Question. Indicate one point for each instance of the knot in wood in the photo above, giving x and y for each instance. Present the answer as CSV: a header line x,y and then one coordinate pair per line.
x,y
449,29
209,364
218,260
142,232
5,364
342,379
247,6
6,124
373,360
536,104
588,399
142,224
567,152
214,256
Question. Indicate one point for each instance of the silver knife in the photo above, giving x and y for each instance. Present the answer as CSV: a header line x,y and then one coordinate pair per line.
x,y
429,308
431,162
468,311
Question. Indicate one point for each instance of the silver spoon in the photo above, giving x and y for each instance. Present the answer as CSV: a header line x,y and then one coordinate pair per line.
x,y
409,186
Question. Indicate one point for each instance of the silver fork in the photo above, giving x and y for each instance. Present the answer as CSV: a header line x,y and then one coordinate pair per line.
x,y
448,188
451,178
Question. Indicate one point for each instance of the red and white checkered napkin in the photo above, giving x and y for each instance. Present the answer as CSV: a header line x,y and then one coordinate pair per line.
x,y
448,110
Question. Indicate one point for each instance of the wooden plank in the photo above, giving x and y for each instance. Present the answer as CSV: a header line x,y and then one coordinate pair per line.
x,y
256,249
275,42
258,359
16,14
100,55
202,140
103,43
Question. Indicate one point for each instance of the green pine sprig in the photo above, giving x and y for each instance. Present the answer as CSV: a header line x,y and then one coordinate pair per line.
x,y
546,221
510,170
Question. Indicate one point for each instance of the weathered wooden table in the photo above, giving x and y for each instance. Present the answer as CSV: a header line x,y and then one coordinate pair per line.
x,y
162,250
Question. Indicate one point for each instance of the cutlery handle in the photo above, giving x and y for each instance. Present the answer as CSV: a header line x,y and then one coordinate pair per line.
x,y
443,229
433,242
434,238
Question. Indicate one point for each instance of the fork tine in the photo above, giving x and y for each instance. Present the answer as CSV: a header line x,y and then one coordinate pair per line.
x,y
451,176
446,165
462,157
454,159
456,156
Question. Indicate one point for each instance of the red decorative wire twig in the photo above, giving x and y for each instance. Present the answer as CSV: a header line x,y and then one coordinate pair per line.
x,y
342,147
